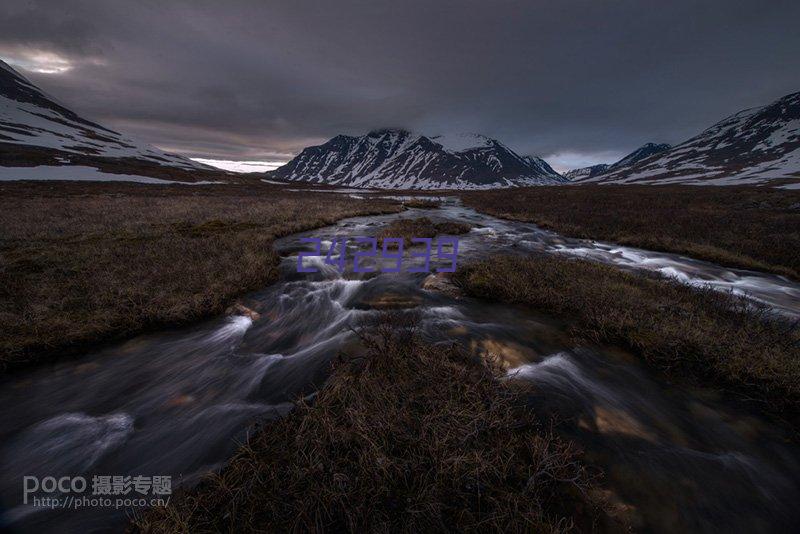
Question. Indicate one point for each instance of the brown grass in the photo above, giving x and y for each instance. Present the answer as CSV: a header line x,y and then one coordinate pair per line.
x,y
702,335
408,437
81,263
747,227
421,203
421,227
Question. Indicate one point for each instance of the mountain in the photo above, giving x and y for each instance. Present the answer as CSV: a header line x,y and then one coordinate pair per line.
x,y
577,175
36,130
538,164
755,146
398,159
644,151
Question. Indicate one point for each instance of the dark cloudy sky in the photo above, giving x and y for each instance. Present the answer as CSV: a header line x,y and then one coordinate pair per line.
x,y
574,81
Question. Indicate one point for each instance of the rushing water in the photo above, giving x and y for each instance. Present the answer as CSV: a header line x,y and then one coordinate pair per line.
x,y
178,402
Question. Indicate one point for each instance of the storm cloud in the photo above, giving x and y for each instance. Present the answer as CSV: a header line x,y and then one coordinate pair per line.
x,y
573,81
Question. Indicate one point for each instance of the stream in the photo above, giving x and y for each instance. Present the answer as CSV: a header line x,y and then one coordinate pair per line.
x,y
178,402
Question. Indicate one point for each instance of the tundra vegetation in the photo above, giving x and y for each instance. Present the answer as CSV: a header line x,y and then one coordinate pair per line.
x,y
82,263
404,437
748,227
699,335
407,229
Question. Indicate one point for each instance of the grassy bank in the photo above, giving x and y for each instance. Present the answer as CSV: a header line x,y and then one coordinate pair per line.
x,y
422,203
421,227
706,336
407,437
747,227
82,263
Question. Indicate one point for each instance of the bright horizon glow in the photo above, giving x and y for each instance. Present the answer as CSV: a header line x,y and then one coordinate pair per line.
x,y
241,166
567,161
39,61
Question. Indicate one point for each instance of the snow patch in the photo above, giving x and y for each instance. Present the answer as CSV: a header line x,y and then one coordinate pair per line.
x,y
81,174
462,142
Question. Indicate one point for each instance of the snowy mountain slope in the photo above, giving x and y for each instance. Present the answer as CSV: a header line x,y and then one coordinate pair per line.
x,y
80,173
538,164
755,146
643,152
398,159
577,175
461,142
36,129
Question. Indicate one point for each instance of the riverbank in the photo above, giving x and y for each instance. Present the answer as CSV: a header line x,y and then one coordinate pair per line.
x,y
754,228
700,336
404,437
670,454
89,263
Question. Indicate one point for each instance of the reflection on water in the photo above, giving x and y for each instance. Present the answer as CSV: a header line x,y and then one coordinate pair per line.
x,y
175,403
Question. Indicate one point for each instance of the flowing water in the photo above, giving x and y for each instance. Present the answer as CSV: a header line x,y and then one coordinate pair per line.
x,y
178,402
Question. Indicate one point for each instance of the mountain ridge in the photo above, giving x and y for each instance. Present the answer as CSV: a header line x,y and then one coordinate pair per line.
x,y
645,151
38,130
755,146
400,159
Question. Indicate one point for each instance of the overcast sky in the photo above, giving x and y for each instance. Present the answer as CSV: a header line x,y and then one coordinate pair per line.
x,y
577,82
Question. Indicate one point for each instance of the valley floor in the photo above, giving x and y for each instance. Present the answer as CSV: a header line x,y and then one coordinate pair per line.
x,y
695,336
87,262
748,227
404,435
409,436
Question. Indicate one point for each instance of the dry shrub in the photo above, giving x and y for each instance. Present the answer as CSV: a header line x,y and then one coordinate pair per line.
x,y
421,203
421,227
409,437
703,335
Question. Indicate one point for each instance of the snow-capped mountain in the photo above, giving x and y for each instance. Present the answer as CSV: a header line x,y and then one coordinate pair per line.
x,y
35,129
755,146
577,175
538,164
398,159
644,151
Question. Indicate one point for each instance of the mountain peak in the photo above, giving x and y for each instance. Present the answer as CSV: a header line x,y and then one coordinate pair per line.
x,y
461,142
380,132
641,153
657,146
6,66
584,173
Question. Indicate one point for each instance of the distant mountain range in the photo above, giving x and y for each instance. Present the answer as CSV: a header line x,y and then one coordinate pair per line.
x,y
36,130
42,138
755,146
398,159
583,173
644,151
